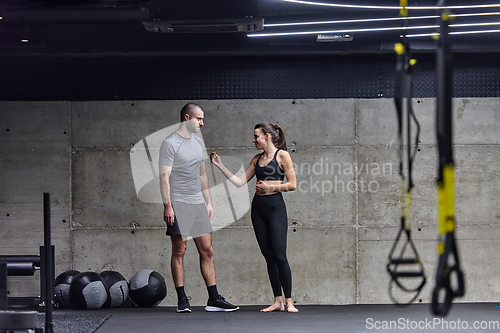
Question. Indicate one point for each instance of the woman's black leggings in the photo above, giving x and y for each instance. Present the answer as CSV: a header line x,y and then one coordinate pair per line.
x,y
270,224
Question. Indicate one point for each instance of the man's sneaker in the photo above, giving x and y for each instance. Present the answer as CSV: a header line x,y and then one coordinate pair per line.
x,y
183,305
220,304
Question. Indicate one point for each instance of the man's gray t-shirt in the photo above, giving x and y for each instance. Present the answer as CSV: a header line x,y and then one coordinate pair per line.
x,y
184,155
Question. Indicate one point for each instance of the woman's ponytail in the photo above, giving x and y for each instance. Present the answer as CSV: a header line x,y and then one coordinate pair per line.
x,y
281,142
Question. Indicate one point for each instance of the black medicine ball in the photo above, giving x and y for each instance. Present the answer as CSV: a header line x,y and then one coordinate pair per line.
x,y
117,287
147,288
88,290
62,283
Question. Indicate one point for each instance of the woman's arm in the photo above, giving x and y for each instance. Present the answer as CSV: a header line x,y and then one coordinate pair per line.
x,y
237,181
287,165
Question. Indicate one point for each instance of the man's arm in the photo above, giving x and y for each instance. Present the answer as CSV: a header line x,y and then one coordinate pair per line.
x,y
205,190
168,212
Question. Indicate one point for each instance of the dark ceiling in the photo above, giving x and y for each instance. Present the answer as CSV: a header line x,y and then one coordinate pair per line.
x,y
95,28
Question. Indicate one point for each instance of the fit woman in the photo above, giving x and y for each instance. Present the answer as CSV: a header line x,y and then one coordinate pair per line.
x,y
269,218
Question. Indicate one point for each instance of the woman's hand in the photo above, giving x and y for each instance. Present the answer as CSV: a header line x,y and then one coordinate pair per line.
x,y
262,187
215,159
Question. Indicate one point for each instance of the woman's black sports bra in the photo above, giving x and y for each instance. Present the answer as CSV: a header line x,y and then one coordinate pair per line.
x,y
271,171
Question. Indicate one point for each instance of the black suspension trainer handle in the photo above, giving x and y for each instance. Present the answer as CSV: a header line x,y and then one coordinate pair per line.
x,y
443,279
447,247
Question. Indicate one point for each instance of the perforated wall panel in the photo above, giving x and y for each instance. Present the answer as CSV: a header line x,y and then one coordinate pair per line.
x,y
243,77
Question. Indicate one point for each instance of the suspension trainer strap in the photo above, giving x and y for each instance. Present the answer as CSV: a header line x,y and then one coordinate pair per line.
x,y
443,293
407,255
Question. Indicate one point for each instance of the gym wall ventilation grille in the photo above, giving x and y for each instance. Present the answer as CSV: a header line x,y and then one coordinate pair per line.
x,y
269,77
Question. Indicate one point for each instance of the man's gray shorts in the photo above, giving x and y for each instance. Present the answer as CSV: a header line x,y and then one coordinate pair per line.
x,y
191,220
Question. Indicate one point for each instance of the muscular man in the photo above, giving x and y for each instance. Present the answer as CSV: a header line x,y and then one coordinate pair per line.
x,y
188,205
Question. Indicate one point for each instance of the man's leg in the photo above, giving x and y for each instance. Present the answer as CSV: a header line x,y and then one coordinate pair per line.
x,y
215,301
206,251
177,265
177,260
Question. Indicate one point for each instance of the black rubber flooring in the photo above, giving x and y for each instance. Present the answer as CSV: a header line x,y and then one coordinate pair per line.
x,y
463,317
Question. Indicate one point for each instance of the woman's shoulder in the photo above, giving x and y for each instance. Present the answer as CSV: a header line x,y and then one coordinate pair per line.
x,y
283,153
283,157
255,158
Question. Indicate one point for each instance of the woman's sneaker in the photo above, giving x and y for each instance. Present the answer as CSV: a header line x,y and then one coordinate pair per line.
x,y
220,304
183,305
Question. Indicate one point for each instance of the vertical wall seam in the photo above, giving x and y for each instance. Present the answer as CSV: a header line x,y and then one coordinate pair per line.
x,y
70,184
356,178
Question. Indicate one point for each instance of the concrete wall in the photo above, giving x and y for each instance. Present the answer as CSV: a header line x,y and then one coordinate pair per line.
x,y
342,220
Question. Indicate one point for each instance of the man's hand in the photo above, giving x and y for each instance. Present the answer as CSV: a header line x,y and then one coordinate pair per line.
x,y
210,211
168,215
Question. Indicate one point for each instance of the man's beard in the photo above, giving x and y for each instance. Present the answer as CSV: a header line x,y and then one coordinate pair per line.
x,y
192,128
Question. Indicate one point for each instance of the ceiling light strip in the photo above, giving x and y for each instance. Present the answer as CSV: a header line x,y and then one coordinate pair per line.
x,y
455,33
375,19
473,32
367,30
473,24
352,21
390,7
474,14
340,31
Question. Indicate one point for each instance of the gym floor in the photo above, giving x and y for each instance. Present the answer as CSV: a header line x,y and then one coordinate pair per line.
x,y
463,317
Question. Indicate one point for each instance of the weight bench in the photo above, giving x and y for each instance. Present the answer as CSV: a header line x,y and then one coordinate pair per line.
x,y
20,265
